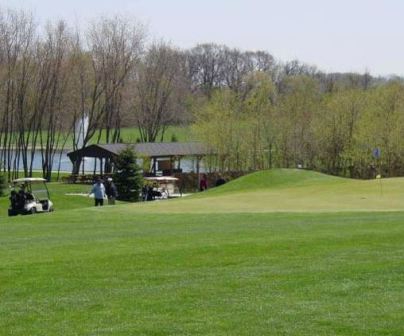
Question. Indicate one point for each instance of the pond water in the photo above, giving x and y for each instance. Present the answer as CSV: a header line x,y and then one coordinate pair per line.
x,y
62,162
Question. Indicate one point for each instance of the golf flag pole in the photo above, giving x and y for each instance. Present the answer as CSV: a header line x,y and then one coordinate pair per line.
x,y
377,153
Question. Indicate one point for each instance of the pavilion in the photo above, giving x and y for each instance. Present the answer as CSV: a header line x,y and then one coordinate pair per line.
x,y
163,155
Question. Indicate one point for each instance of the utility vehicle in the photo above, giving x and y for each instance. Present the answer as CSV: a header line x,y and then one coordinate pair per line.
x,y
29,195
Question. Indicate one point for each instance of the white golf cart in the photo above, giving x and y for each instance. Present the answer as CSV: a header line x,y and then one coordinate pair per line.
x,y
161,187
29,195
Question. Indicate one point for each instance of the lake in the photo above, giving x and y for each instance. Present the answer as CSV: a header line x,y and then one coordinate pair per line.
x,y
63,163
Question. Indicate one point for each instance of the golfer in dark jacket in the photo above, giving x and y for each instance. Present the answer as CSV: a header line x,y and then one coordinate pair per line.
x,y
111,191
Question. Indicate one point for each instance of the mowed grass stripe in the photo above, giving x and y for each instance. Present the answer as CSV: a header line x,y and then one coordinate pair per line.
x,y
239,274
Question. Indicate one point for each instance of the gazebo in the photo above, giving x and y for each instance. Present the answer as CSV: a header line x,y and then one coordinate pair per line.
x,y
163,155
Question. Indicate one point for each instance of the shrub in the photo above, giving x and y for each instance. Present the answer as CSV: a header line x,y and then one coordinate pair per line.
x,y
174,138
128,178
3,183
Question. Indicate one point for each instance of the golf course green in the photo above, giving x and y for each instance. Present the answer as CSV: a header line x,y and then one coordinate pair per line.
x,y
279,252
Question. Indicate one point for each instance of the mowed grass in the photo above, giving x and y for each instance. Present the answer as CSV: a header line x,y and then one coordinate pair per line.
x,y
144,270
179,133
289,190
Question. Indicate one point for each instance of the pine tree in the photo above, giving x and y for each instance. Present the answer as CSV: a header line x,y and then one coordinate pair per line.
x,y
128,178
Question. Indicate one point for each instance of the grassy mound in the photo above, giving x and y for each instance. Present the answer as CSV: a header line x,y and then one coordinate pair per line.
x,y
290,190
277,178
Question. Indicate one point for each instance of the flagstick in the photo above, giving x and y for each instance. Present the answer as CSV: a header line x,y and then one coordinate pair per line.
x,y
381,188
377,156
380,179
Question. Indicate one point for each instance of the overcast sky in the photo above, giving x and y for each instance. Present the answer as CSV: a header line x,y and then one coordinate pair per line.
x,y
334,35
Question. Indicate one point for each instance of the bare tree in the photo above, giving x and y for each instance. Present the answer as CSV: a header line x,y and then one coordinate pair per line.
x,y
100,76
116,46
17,40
235,68
205,64
157,79
53,131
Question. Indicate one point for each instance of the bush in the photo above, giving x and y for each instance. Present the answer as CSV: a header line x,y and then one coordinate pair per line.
x,y
128,178
3,184
174,138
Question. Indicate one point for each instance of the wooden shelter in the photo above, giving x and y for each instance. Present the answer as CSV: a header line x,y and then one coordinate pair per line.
x,y
163,155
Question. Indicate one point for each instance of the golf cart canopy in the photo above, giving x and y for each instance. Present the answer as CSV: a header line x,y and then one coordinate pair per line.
x,y
29,179
163,179
35,185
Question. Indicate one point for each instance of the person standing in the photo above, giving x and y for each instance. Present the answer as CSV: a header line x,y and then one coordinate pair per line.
x,y
111,191
203,183
99,193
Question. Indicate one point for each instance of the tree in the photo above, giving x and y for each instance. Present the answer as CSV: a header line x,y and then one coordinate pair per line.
x,y
205,66
382,126
235,68
217,125
53,110
17,37
155,99
259,109
128,178
240,129
116,45
335,130
100,73
296,109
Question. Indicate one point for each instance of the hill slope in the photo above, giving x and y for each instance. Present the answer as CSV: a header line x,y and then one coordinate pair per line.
x,y
290,190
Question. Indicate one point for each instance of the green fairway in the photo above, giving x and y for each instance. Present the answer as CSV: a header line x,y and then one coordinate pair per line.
x,y
223,262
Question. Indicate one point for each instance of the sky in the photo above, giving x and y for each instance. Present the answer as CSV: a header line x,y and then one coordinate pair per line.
x,y
334,35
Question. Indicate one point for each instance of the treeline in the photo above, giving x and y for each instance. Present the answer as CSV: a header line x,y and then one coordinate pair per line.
x,y
355,131
62,88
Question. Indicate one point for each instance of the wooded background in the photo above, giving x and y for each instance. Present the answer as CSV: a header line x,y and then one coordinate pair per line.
x,y
255,111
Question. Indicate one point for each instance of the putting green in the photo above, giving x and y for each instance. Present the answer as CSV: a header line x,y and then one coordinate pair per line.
x,y
289,190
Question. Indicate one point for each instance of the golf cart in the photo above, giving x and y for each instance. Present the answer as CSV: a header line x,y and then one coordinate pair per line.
x,y
160,187
29,195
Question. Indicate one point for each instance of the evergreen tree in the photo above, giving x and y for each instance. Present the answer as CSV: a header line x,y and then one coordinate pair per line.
x,y
128,178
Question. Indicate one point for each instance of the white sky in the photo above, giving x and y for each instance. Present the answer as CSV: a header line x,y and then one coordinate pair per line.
x,y
335,35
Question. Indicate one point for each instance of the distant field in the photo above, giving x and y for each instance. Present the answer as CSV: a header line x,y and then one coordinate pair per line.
x,y
282,252
131,135
179,133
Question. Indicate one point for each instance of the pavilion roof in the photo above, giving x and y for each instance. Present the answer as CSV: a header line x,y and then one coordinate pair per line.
x,y
151,149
